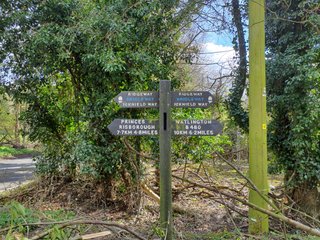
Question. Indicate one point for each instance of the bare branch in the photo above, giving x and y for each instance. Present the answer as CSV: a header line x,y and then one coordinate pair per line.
x,y
278,216
87,222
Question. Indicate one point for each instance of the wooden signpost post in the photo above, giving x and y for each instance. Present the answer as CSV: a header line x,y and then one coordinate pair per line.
x,y
165,128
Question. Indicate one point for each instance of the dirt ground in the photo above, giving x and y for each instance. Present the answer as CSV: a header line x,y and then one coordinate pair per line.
x,y
205,215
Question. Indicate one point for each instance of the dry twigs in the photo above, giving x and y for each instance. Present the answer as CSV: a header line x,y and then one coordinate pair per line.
x,y
155,197
109,224
273,204
65,224
254,187
93,235
291,222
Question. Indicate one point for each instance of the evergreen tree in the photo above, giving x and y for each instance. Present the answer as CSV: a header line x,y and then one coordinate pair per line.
x,y
293,74
68,59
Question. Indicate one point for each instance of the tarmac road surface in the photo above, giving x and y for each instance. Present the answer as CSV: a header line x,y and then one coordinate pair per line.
x,y
14,172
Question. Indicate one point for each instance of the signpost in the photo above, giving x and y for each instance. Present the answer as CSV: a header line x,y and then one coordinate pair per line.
x,y
165,159
165,128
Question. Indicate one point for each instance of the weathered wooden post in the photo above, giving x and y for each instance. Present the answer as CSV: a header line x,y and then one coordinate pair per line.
x,y
165,158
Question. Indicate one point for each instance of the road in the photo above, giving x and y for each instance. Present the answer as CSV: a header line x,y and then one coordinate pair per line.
x,y
14,172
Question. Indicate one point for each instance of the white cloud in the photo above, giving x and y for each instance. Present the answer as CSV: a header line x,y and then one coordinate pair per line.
x,y
215,62
217,53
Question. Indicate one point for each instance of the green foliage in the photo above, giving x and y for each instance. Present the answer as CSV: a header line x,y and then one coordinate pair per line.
x,y
68,59
58,234
158,231
7,118
72,59
236,108
196,148
14,215
294,89
10,152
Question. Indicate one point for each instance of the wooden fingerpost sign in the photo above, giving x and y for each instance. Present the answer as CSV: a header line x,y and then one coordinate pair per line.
x,y
165,128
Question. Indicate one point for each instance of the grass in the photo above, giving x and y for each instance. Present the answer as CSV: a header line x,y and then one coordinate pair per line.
x,y
14,215
11,152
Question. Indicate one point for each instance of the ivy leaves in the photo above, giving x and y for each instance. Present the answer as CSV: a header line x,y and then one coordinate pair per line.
x,y
293,91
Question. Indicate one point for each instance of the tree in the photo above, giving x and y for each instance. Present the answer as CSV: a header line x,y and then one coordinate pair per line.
x,y
292,39
235,105
6,119
294,96
68,59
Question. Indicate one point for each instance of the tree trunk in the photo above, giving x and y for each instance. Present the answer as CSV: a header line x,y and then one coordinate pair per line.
x,y
17,124
307,198
305,195
132,197
236,109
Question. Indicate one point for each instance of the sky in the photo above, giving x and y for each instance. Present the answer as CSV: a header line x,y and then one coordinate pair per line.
x,y
214,52
217,59
216,48
222,39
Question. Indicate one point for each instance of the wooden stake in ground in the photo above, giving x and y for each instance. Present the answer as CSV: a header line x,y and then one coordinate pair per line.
x,y
165,159
258,222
